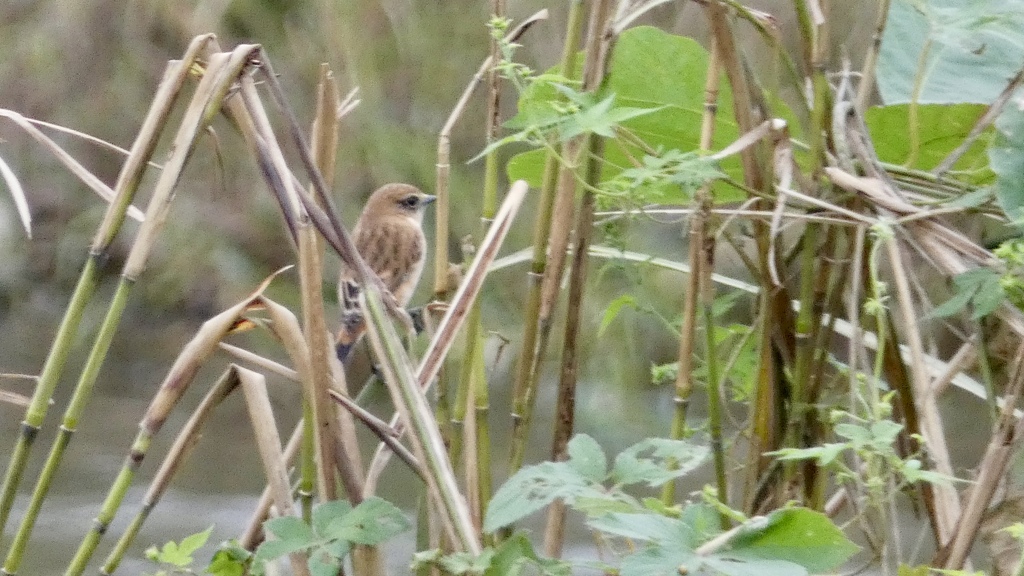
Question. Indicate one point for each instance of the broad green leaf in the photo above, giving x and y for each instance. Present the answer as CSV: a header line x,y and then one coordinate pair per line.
x,y
922,570
885,432
531,489
704,523
854,432
824,454
612,311
602,503
978,39
650,69
980,287
669,459
226,564
327,512
587,458
516,553
319,566
661,561
990,296
797,535
373,521
732,565
940,129
647,527
170,553
289,528
956,304
273,549
1007,158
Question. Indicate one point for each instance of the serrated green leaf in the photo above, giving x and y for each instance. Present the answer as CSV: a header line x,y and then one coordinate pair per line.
x,y
853,432
885,432
661,561
373,521
289,528
602,503
195,541
320,566
669,459
646,527
274,549
955,305
326,512
733,565
587,458
530,489
972,199
990,296
172,554
1007,158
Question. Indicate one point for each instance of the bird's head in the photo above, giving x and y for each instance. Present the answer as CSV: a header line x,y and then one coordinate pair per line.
x,y
391,200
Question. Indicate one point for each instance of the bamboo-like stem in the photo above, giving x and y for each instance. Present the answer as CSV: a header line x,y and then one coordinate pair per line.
x,y
186,440
528,353
776,346
702,205
947,502
124,192
474,382
565,407
808,321
442,204
316,406
174,385
481,409
254,124
578,155
600,42
222,69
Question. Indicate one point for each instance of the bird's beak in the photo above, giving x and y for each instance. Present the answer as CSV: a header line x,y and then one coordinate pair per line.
x,y
428,199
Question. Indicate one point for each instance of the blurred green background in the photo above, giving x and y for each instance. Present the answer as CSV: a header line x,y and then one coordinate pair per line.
x,y
92,65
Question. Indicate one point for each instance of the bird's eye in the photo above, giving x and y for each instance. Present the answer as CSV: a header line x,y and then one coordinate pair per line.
x,y
409,201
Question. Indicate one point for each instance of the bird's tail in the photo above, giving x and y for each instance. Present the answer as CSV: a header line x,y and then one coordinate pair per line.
x,y
353,325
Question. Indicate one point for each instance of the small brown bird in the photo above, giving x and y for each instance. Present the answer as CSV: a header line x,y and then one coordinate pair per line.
x,y
389,237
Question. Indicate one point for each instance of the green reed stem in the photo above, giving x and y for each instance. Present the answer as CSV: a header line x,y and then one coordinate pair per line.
x,y
52,369
524,379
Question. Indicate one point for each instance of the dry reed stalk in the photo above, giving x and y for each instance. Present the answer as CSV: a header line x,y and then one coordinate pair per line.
x,y
324,141
261,415
1005,441
410,400
210,93
696,280
252,535
178,378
